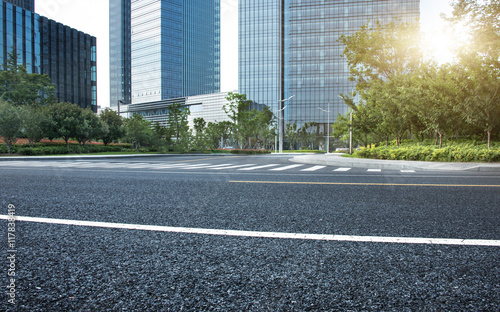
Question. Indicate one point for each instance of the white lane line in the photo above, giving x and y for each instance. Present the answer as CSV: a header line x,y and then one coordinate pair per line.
x,y
313,168
286,168
408,171
342,169
234,167
374,170
281,235
259,167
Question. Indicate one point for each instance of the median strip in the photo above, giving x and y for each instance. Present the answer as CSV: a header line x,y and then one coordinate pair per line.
x,y
255,234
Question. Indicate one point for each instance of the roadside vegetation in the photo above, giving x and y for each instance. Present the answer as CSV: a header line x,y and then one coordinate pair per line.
x,y
413,108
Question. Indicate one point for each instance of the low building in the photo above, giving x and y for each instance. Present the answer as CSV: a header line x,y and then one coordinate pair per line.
x,y
44,46
210,107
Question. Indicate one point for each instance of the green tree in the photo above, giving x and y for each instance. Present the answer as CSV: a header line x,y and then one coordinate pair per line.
x,y
199,140
11,123
90,127
67,119
480,105
138,130
36,123
252,127
19,87
292,134
114,123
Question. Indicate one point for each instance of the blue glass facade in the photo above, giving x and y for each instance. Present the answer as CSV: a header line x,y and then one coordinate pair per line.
x,y
175,48
24,4
120,52
44,46
289,47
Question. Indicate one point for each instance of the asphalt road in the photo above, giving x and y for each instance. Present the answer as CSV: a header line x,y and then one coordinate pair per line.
x,y
65,267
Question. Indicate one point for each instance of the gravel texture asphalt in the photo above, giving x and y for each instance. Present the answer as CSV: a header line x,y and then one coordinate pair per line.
x,y
71,268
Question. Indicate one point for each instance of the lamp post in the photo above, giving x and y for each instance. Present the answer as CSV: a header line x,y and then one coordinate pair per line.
x,y
120,101
328,128
279,125
281,122
350,126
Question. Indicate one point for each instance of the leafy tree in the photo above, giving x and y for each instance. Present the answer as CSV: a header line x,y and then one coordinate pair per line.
x,y
11,123
292,134
114,123
67,119
19,87
249,124
199,140
382,52
483,20
218,133
480,105
138,130
36,123
89,127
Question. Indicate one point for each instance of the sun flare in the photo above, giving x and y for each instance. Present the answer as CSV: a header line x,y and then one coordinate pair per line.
x,y
442,43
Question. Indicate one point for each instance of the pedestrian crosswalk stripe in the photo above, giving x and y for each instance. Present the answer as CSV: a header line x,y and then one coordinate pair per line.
x,y
407,171
286,167
259,167
234,167
342,169
216,166
374,170
313,168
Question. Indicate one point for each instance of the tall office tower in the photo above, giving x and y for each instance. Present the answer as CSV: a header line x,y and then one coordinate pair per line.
x,y
43,46
175,48
119,52
289,47
25,4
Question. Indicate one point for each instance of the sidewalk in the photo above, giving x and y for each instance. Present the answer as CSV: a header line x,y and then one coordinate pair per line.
x,y
339,161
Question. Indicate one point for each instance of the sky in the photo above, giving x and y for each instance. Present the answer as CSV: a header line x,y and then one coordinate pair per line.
x,y
92,17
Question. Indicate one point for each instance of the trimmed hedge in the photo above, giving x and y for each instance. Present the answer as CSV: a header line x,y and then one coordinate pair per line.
x,y
240,151
462,152
60,149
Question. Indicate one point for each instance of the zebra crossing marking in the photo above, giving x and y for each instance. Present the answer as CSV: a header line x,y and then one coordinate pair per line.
x,y
342,169
286,167
313,168
180,166
259,167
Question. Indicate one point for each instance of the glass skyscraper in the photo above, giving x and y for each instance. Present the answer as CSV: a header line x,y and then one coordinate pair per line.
x,y
43,46
289,47
120,52
175,49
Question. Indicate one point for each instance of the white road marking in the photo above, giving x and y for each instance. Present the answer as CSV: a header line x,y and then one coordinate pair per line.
x,y
234,167
374,170
278,235
216,166
259,167
313,168
408,171
286,168
342,169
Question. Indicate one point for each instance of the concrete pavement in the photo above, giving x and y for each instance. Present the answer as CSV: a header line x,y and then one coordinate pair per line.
x,y
338,160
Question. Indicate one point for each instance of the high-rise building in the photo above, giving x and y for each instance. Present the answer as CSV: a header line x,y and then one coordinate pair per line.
x,y
289,48
175,48
120,59
25,4
43,46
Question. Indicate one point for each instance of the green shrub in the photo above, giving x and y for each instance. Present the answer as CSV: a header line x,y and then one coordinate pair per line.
x,y
452,151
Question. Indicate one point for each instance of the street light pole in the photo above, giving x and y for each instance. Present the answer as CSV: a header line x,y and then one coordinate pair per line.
x,y
281,122
120,101
328,128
